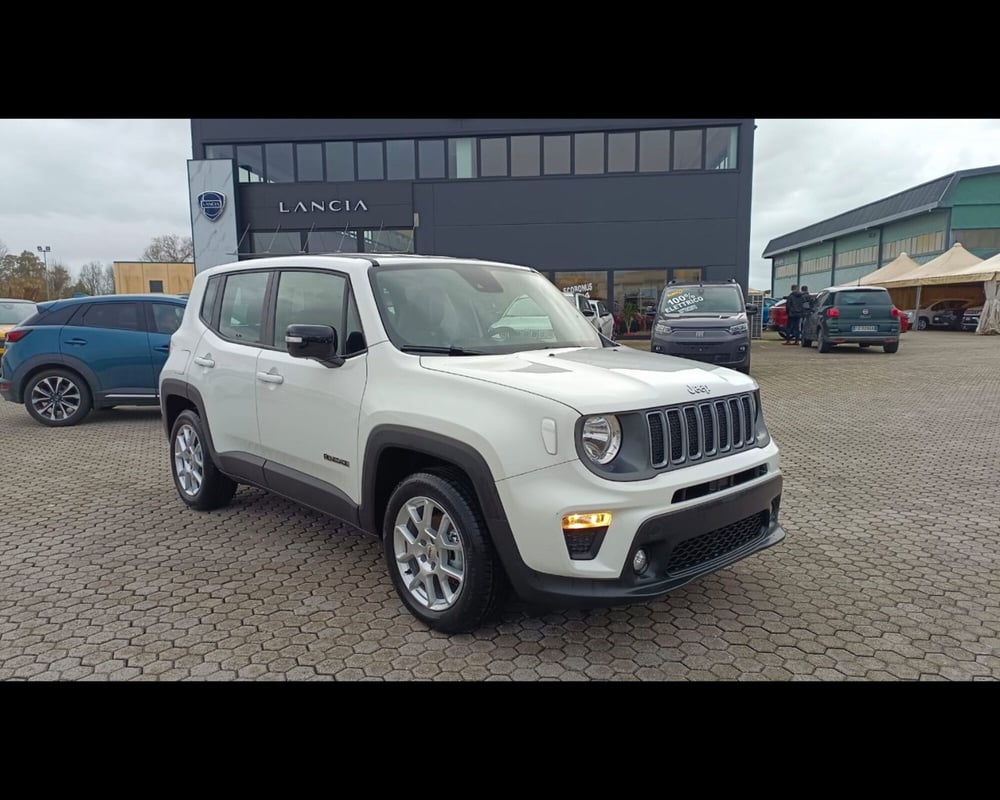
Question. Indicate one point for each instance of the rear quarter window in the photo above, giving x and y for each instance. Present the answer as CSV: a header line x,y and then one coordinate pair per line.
x,y
866,298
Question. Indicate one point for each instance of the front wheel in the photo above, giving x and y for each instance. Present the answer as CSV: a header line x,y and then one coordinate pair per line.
x,y
892,347
439,553
198,480
922,324
57,398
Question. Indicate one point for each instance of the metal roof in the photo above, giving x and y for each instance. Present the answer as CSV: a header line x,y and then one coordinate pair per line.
x,y
908,203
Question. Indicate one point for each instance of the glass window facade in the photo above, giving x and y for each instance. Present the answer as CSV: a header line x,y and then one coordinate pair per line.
x,y
488,156
340,161
462,158
589,155
371,161
687,149
493,156
218,151
555,154
591,283
636,294
282,243
861,255
431,158
309,162
400,158
621,152
525,155
654,151
280,168
978,239
332,241
389,241
720,148
250,161
921,245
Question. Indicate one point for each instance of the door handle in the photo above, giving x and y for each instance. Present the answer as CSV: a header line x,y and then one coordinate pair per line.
x,y
163,348
204,361
76,341
270,377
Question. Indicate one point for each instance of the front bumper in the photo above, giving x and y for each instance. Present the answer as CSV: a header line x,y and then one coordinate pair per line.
x,y
729,352
691,539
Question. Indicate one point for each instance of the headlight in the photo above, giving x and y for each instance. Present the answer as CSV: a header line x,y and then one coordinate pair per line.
x,y
602,438
662,328
741,328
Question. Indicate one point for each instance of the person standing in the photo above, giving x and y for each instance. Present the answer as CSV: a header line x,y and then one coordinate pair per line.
x,y
793,303
807,308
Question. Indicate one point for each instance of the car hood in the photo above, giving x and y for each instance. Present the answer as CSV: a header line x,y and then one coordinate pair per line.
x,y
595,380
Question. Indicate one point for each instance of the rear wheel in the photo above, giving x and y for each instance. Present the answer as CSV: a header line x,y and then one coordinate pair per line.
x,y
57,398
198,480
821,343
922,324
439,553
892,347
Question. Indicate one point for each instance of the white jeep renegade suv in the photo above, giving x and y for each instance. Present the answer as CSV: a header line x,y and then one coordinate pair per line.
x,y
395,393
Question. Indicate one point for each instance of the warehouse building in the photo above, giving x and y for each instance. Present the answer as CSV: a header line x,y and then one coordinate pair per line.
x,y
922,222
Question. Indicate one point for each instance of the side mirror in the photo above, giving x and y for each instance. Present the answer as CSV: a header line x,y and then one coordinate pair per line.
x,y
318,342
751,310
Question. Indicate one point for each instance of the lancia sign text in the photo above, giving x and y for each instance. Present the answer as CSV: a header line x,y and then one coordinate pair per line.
x,y
322,206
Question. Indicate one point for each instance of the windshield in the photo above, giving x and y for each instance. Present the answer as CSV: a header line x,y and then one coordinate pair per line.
x,y
13,313
476,308
702,300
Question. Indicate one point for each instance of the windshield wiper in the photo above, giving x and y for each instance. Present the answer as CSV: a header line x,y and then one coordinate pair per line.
x,y
443,351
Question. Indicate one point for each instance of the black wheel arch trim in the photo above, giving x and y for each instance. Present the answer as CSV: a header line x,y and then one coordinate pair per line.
x,y
54,361
463,456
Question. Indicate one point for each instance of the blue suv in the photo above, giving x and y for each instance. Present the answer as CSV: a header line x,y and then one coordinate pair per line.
x,y
89,352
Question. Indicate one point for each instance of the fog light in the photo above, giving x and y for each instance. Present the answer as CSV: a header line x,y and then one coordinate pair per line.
x,y
576,522
640,562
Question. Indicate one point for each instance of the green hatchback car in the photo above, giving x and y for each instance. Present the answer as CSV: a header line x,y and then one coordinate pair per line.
x,y
862,315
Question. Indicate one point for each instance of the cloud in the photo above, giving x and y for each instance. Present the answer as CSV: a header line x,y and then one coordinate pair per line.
x,y
92,189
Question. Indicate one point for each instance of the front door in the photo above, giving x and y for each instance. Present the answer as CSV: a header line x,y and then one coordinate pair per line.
x,y
309,412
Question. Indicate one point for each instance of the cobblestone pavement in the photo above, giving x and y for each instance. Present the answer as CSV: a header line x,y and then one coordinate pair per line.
x,y
891,568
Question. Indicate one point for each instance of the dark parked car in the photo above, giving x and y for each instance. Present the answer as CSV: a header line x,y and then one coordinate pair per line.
x,y
970,319
89,352
862,315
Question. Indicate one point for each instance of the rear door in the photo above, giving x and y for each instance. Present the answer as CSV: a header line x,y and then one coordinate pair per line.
x,y
865,311
162,319
110,337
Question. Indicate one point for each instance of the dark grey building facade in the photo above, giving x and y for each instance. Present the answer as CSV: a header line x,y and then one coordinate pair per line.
x,y
611,207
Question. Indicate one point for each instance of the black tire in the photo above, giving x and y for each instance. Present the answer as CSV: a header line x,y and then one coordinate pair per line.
x,y
821,343
484,584
67,388
215,489
892,347
923,324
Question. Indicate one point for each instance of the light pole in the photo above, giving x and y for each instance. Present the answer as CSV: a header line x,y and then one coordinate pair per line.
x,y
45,259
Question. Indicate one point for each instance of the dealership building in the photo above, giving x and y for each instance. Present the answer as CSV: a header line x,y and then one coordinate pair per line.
x,y
922,222
611,207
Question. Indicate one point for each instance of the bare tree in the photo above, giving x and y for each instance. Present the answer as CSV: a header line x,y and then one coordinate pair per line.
x,y
97,278
169,248
3,250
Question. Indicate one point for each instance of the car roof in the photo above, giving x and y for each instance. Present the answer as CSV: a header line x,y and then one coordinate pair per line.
x,y
855,289
111,298
16,300
357,263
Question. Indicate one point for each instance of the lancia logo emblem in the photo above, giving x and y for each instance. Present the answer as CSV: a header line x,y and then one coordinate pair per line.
x,y
865,312
212,204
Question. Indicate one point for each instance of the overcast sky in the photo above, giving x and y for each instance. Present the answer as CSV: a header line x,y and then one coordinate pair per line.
x,y
99,190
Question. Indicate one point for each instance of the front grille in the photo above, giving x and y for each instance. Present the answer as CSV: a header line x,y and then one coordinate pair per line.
x,y
715,544
688,434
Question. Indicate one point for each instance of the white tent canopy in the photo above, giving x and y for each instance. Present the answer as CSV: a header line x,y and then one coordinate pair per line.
x,y
938,270
899,266
987,271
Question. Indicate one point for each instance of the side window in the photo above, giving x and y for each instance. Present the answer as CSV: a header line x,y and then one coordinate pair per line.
x,y
602,309
825,299
210,299
242,314
117,316
310,298
166,317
